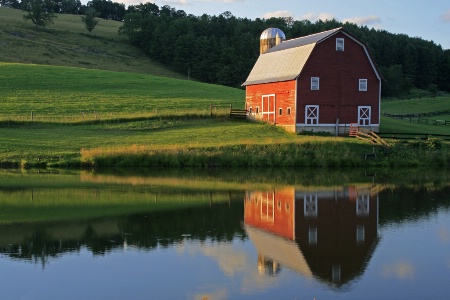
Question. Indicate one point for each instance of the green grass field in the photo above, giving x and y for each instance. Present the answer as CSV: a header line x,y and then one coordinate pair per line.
x,y
64,92
67,43
112,113
415,106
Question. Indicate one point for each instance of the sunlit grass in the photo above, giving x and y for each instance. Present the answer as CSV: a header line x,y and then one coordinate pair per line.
x,y
422,105
67,43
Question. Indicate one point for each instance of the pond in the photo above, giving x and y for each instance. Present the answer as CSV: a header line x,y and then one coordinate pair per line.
x,y
238,234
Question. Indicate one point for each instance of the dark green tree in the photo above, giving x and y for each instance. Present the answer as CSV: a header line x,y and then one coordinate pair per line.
x,y
89,19
10,3
39,12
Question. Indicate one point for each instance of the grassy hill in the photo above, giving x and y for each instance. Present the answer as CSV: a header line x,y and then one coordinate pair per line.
x,y
67,43
67,96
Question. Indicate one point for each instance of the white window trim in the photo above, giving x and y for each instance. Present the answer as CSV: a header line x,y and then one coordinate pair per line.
x,y
363,116
363,205
340,44
310,205
314,118
268,207
363,85
315,83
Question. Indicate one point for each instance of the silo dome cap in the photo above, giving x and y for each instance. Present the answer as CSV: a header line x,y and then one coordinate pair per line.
x,y
271,33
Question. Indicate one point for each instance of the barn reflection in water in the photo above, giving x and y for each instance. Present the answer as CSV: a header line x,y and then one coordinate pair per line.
x,y
325,233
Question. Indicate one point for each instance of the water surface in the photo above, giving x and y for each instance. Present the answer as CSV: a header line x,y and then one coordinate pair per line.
x,y
236,235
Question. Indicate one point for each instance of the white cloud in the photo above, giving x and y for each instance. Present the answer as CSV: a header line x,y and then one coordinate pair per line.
x,y
221,1
399,270
369,20
175,2
313,17
444,235
277,14
446,16
126,2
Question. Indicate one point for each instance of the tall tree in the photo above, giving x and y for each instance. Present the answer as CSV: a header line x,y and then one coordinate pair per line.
x,y
39,12
89,19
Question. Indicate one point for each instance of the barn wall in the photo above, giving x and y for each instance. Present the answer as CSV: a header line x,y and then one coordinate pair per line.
x,y
336,224
339,95
284,98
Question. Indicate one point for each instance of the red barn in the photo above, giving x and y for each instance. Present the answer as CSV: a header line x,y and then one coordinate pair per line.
x,y
322,82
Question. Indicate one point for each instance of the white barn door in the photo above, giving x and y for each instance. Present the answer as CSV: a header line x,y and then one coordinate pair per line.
x,y
364,115
268,108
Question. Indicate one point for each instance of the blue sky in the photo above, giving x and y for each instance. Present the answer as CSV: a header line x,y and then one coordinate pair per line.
x,y
429,20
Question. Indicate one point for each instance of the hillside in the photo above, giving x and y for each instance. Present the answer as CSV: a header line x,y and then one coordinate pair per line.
x,y
67,43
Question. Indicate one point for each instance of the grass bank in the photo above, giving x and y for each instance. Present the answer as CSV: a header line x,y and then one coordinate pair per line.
x,y
319,153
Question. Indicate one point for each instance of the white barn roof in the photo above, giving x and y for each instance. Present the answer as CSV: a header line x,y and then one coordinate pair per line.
x,y
286,60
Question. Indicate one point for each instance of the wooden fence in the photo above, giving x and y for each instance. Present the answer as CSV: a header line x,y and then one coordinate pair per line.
x,y
412,136
418,115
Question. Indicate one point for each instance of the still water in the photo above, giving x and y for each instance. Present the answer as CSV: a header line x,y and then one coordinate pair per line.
x,y
273,234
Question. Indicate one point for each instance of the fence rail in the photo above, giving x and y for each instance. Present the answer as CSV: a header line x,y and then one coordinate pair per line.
x,y
412,136
418,115
238,113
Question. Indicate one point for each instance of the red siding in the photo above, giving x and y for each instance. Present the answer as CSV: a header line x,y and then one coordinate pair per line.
x,y
282,210
339,73
284,98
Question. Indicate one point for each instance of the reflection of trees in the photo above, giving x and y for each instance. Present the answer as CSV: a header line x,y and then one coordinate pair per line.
x,y
40,242
400,204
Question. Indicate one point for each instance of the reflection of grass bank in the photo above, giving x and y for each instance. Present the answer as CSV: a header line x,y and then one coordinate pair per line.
x,y
32,205
27,196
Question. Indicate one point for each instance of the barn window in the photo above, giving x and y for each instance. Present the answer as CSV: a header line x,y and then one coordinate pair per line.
x,y
257,109
314,83
339,44
280,111
250,110
310,205
363,85
312,235
288,111
312,114
360,234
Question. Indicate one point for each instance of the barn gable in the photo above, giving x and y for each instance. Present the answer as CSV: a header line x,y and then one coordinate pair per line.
x,y
320,82
286,60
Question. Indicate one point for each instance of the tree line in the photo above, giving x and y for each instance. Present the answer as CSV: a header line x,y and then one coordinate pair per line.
x,y
223,49
105,9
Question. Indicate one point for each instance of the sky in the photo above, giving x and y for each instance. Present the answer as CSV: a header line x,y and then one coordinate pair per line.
x,y
429,20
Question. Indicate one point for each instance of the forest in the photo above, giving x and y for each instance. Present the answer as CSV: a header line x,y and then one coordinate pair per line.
x,y
222,49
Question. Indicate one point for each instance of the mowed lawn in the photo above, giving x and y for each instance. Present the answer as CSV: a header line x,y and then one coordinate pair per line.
x,y
415,106
47,141
132,109
64,93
